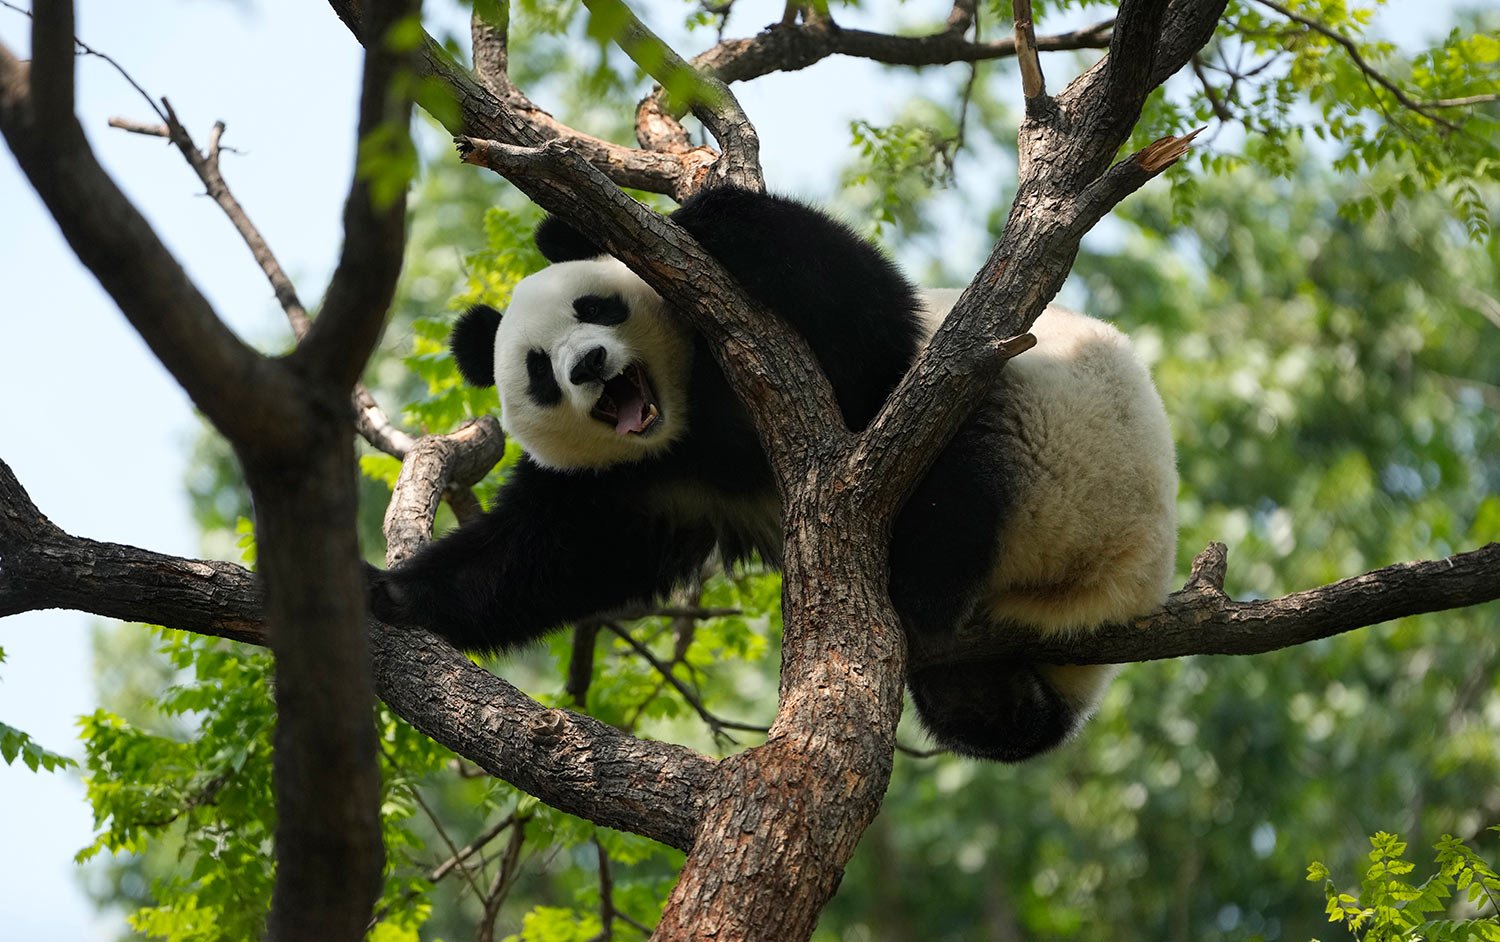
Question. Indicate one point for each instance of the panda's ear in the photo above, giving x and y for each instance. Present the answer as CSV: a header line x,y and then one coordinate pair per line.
x,y
560,242
473,344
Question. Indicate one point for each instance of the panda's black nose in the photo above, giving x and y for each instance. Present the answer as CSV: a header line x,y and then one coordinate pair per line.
x,y
588,368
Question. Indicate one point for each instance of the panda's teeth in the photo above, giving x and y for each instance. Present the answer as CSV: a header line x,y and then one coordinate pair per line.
x,y
650,416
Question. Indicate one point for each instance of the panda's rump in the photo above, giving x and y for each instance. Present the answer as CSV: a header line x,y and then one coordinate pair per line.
x,y
1091,538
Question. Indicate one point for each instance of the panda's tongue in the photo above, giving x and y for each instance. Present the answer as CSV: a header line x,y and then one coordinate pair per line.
x,y
630,408
631,395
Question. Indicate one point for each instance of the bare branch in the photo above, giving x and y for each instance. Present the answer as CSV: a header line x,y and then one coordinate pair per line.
x,y
1201,619
370,420
1033,86
431,466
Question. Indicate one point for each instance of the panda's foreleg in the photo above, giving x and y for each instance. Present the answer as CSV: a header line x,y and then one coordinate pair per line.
x,y
555,548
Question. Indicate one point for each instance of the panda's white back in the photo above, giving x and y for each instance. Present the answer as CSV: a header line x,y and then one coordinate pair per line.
x,y
1079,424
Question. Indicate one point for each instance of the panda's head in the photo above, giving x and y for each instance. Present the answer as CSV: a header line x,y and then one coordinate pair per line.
x,y
591,370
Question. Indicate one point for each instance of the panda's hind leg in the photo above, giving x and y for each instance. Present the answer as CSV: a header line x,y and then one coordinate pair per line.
x,y
1003,709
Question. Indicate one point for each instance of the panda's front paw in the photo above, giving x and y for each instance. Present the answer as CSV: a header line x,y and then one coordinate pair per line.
x,y
387,600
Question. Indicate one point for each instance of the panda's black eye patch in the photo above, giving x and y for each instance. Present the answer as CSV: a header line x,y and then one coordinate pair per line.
x,y
541,385
604,311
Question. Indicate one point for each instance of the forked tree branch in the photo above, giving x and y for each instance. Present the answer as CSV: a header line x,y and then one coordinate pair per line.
x,y
493,108
709,98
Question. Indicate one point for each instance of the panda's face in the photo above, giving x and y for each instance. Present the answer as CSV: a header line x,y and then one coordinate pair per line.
x,y
590,369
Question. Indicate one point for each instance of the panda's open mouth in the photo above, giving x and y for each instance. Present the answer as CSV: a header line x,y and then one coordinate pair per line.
x,y
628,403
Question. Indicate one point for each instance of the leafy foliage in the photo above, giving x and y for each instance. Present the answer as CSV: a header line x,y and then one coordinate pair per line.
x,y
1389,908
14,743
1375,111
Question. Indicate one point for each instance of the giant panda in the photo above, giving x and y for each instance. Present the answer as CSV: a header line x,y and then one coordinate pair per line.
x,y
1051,511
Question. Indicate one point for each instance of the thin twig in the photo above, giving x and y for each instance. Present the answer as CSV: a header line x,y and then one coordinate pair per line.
x,y
370,419
90,51
457,856
436,874
500,887
717,723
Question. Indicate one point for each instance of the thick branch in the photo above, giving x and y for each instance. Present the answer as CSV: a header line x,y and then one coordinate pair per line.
x,y
42,567
1201,619
1066,185
569,761
1023,273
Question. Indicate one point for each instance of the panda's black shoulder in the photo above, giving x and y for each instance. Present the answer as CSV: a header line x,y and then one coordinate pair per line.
x,y
783,250
733,216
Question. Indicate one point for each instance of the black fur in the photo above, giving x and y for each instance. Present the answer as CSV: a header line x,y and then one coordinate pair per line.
x,y
606,312
473,344
560,242
541,385
563,546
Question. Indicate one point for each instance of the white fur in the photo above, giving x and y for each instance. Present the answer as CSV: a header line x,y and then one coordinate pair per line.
x,y
1094,537
541,317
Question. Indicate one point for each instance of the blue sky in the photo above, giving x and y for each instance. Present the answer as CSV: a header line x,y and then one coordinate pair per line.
x,y
97,430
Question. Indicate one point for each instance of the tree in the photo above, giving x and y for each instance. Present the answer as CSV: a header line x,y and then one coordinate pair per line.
x,y
806,796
